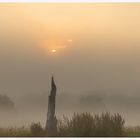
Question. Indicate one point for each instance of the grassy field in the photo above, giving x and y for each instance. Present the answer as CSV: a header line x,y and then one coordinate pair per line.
x,y
79,125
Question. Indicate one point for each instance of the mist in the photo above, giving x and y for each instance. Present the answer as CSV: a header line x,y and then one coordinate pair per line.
x,y
97,71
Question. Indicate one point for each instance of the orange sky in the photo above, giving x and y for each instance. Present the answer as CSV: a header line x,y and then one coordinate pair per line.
x,y
52,25
104,34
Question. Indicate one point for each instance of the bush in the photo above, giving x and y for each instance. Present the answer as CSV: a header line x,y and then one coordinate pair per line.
x,y
86,125
36,129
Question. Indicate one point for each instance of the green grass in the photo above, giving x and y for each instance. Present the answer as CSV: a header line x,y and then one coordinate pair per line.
x,y
132,131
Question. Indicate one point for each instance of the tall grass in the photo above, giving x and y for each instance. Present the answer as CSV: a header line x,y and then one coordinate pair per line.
x,y
15,132
79,125
132,131
86,125
37,130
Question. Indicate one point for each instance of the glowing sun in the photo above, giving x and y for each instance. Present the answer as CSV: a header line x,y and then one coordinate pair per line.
x,y
53,51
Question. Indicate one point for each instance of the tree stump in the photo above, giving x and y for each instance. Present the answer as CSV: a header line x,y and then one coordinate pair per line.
x,y
51,123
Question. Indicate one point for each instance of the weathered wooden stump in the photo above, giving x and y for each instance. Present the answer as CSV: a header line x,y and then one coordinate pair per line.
x,y
51,123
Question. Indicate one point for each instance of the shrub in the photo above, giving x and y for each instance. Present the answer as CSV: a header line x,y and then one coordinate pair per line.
x,y
86,125
36,129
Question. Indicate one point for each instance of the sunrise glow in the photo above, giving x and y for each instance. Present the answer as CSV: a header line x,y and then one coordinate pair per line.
x,y
53,51
69,40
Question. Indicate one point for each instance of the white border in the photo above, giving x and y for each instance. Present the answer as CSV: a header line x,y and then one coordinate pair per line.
x,y
68,1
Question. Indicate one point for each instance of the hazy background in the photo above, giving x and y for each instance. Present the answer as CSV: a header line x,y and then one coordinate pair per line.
x,y
96,65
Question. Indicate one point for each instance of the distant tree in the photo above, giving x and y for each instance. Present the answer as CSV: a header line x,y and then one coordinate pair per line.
x,y
6,103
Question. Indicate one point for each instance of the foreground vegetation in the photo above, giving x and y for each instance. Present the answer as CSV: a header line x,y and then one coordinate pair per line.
x,y
79,125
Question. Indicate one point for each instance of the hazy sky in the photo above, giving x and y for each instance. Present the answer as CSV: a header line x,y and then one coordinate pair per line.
x,y
97,47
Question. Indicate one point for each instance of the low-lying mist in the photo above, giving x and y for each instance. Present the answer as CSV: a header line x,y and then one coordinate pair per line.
x,y
33,107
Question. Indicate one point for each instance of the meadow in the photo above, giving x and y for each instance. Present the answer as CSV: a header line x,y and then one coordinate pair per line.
x,y
79,125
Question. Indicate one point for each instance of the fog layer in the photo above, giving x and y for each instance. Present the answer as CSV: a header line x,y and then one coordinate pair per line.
x,y
96,65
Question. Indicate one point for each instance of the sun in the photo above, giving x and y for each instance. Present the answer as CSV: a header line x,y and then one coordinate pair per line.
x,y
53,50
69,40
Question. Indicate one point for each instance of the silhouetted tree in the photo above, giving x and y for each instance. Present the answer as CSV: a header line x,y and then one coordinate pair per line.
x,y
6,103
